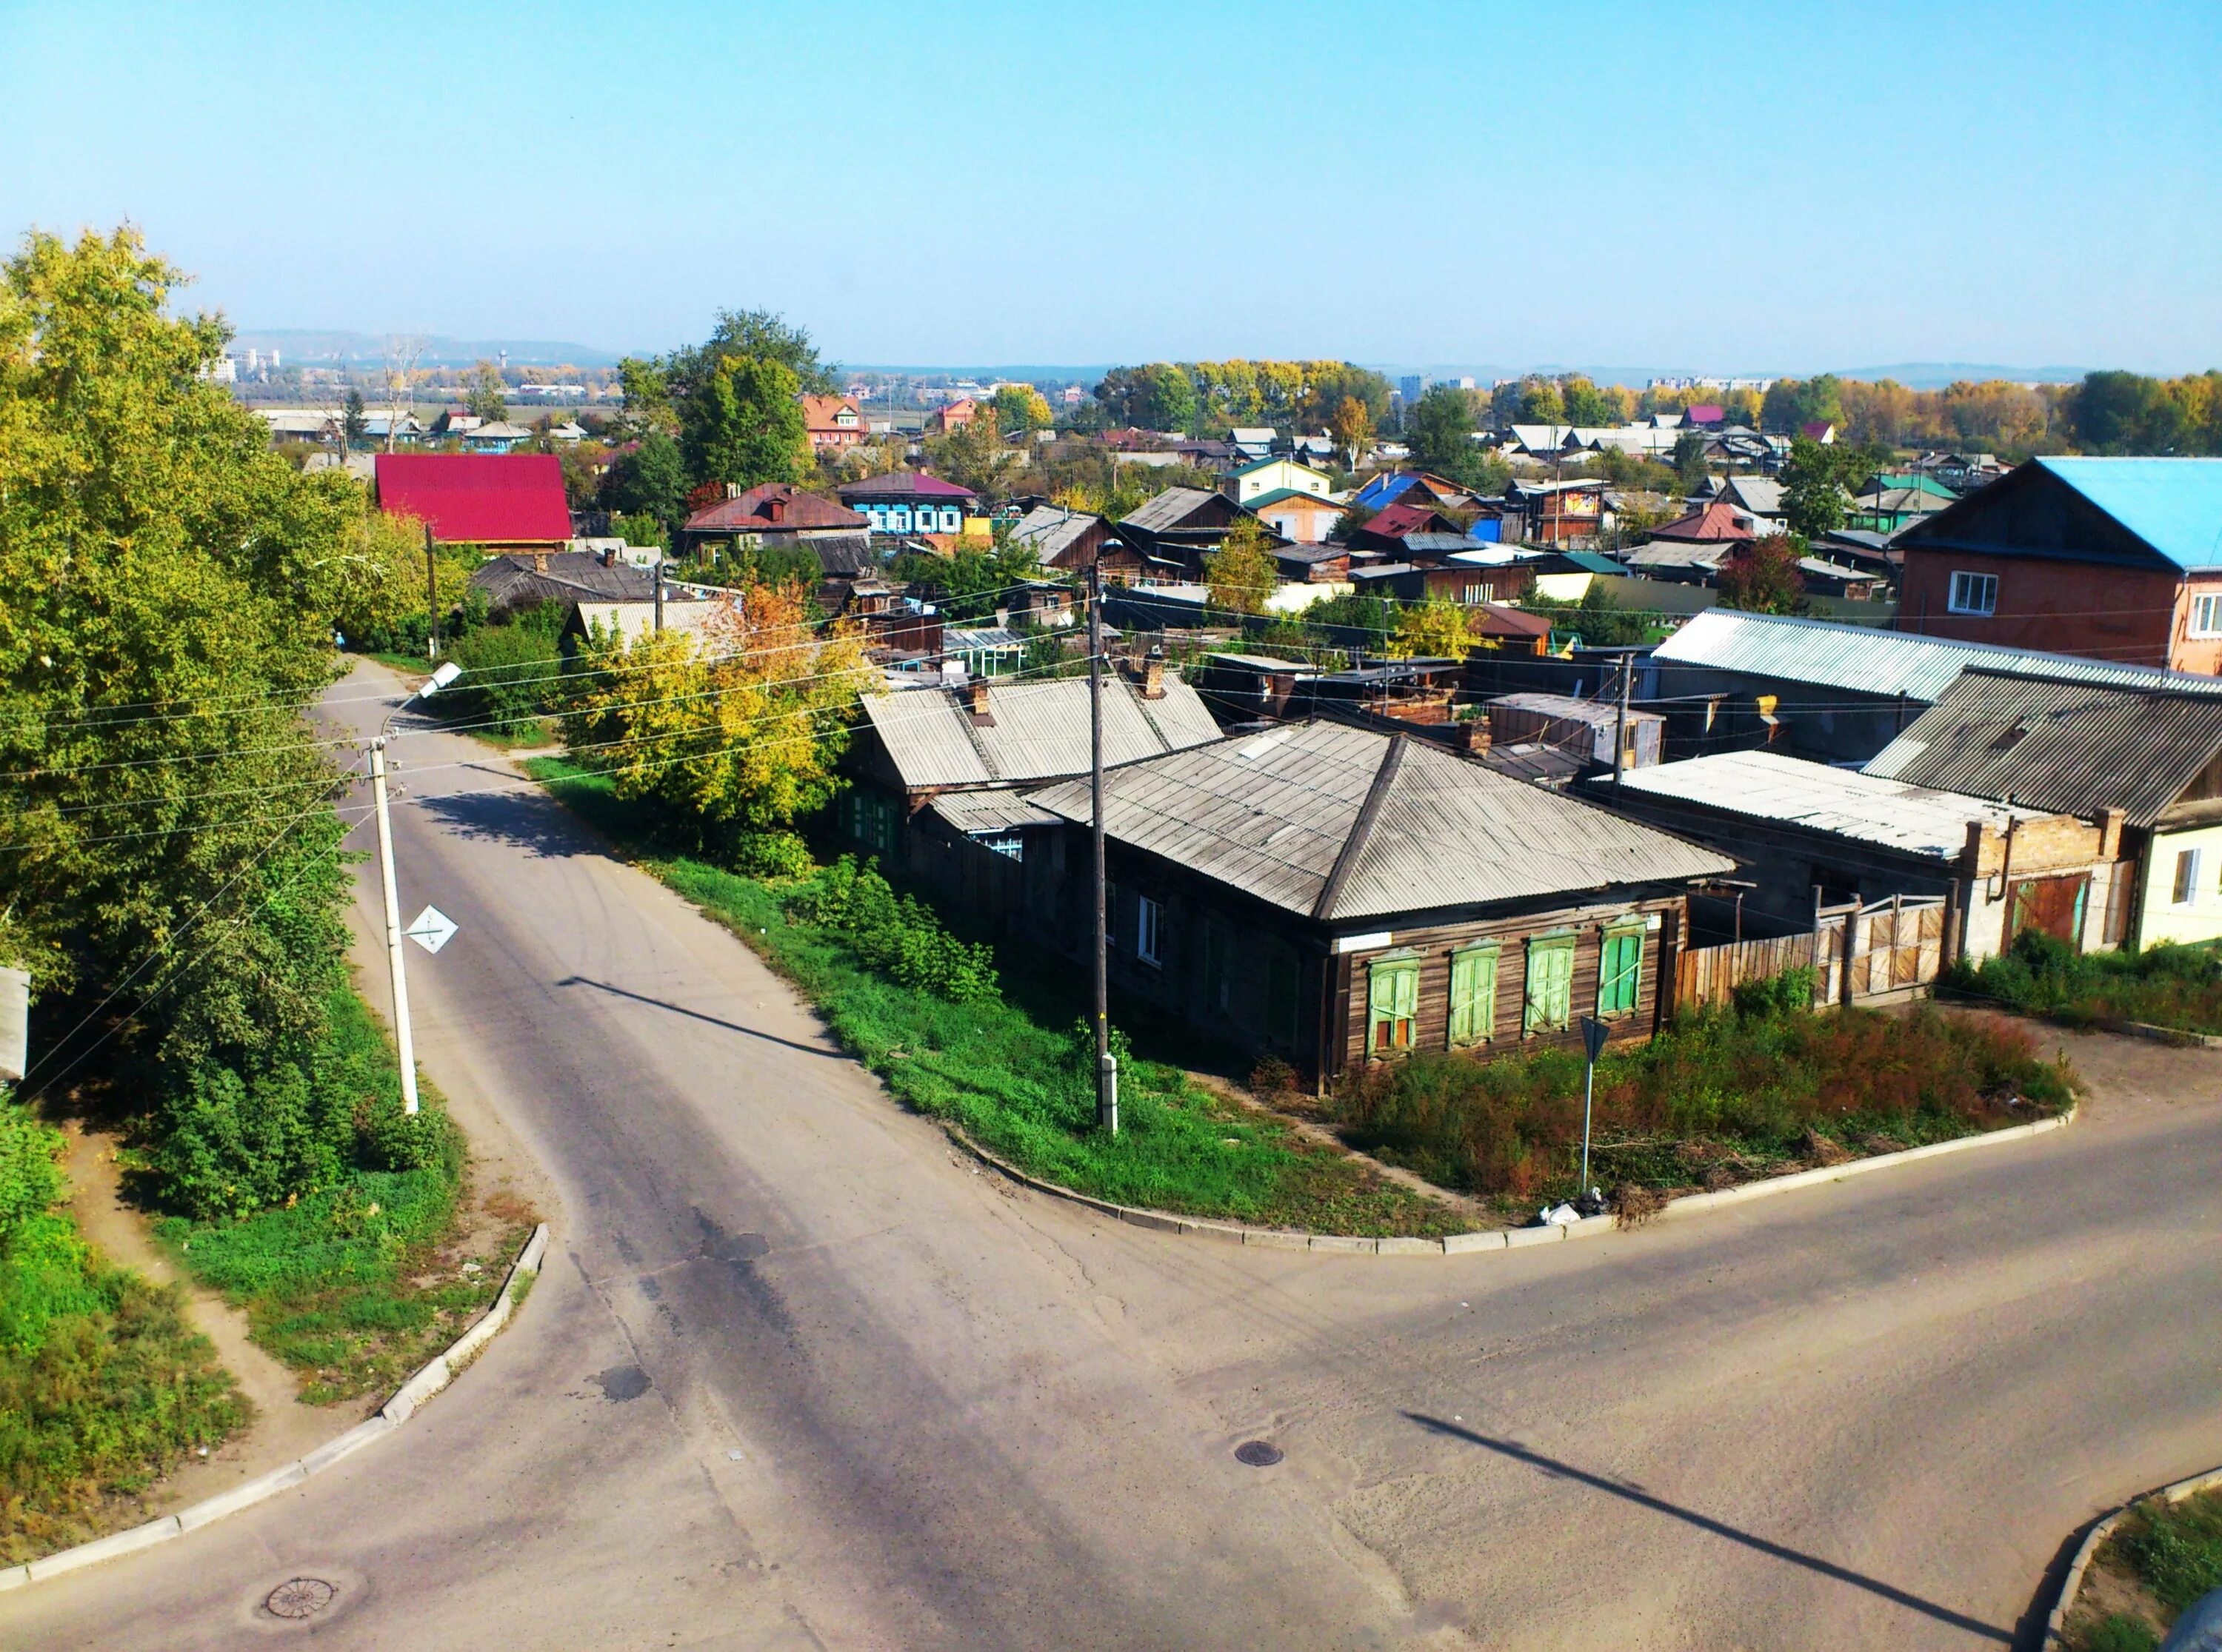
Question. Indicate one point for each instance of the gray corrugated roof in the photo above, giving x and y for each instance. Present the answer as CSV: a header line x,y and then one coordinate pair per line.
x,y
1768,785
997,811
1279,815
1050,528
2075,747
1867,660
1594,712
1040,732
1169,510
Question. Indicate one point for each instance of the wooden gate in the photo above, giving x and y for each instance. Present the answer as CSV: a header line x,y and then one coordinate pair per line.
x,y
1891,946
1855,951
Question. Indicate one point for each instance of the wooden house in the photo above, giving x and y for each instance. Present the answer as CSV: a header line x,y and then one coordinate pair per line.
x,y
1334,896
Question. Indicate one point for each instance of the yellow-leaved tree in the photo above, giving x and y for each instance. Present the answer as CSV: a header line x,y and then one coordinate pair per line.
x,y
1241,572
1432,630
733,726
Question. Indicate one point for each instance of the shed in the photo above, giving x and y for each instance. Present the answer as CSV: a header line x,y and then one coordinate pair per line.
x,y
1584,726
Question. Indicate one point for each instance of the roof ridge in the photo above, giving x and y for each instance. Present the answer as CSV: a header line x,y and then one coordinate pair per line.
x,y
1360,830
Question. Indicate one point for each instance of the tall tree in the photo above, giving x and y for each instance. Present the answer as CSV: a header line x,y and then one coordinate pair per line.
x,y
1761,577
355,420
742,423
1241,573
974,455
1352,428
1439,429
485,396
1021,409
1814,496
650,479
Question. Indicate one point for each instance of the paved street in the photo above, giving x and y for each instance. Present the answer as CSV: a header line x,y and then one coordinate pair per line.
x,y
797,1375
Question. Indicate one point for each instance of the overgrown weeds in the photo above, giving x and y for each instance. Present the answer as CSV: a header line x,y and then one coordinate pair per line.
x,y
1719,1097
2160,1558
2166,985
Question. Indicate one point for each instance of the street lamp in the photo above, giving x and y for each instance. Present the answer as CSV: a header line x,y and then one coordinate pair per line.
x,y
403,1042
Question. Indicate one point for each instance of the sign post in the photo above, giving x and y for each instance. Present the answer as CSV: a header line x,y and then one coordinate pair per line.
x,y
1593,1036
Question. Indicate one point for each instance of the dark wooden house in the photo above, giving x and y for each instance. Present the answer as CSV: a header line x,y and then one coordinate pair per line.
x,y
1333,896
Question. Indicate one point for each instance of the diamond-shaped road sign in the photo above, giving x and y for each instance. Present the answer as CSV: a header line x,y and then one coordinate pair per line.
x,y
432,928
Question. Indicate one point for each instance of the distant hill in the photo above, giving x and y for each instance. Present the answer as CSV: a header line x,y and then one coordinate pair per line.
x,y
307,344
1934,375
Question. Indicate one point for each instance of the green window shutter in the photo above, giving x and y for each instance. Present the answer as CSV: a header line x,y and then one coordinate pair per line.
x,y
1473,996
1550,983
1392,993
1620,971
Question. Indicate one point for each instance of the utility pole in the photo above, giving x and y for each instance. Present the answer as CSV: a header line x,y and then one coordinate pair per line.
x,y
431,601
1106,1065
659,591
405,1045
1620,722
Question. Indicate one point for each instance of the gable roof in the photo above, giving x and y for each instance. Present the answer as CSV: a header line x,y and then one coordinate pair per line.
x,y
1169,510
1051,531
2073,747
512,583
1395,520
1866,661
2163,511
818,412
1257,465
1760,495
747,513
478,498
1869,807
1342,824
904,485
1039,730
1709,524
1285,495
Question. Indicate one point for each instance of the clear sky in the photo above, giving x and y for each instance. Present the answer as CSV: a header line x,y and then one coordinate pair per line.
x,y
1785,187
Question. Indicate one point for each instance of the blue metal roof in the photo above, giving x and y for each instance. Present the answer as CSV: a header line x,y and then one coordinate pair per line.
x,y
1382,489
2174,505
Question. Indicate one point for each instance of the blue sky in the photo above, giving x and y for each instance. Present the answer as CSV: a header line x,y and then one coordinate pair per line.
x,y
1783,187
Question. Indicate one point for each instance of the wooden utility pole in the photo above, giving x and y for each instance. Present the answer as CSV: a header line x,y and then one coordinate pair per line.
x,y
1620,722
432,592
1106,1065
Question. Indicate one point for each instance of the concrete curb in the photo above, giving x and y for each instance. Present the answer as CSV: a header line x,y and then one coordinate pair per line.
x,y
406,1402
1496,1238
2073,1584
2175,1035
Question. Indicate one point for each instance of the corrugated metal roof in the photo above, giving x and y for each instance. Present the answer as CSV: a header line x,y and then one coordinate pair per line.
x,y
1278,815
478,499
1051,529
2174,505
2075,747
1598,713
1164,511
1867,660
1040,732
1768,785
995,811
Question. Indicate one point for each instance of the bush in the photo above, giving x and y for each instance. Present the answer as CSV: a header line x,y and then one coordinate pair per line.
x,y
2166,985
1789,993
1724,1091
897,933
509,676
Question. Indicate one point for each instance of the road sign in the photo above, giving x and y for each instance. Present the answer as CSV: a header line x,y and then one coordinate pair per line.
x,y
1593,1035
431,930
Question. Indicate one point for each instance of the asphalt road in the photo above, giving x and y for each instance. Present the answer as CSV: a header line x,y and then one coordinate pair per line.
x,y
798,1375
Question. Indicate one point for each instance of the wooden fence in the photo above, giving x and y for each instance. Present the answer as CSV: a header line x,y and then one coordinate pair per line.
x,y
1856,953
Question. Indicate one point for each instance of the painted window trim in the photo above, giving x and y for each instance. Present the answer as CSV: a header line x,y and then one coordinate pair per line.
x,y
1492,950
1566,940
1987,584
2209,603
1621,929
1402,964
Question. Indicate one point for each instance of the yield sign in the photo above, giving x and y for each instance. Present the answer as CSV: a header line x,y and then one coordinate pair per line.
x,y
432,928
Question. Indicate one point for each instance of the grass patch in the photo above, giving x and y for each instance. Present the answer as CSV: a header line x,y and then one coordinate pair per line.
x,y
2166,985
357,1284
1018,1080
2160,1558
1718,1098
534,732
105,1386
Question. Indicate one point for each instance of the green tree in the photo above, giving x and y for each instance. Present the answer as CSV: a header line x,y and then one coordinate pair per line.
x,y
1439,429
1353,426
1761,577
1241,573
1168,401
742,424
649,480
485,397
647,391
1814,497
973,455
2125,413
1541,403
1434,629
1690,461
1021,409
354,421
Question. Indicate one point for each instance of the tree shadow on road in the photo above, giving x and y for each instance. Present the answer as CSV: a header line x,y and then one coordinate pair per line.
x,y
524,815
1635,1494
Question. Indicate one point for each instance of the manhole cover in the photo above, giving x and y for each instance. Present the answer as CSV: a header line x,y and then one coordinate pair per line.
x,y
299,1598
1257,1454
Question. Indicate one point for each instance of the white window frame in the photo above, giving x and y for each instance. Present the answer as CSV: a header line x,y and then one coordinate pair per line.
x,y
2207,614
1149,931
1955,599
2186,890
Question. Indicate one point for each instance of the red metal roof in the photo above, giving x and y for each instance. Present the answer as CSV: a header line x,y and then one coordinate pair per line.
x,y
751,512
478,499
905,484
1719,521
1395,520
1704,413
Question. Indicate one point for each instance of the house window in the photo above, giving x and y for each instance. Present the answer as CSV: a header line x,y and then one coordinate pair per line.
x,y
1110,913
1620,971
1473,996
1149,931
2206,616
2187,877
1973,593
1281,995
1392,1005
1550,984
1012,844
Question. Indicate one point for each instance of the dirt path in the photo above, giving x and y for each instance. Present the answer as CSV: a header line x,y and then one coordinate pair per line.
x,y
283,1428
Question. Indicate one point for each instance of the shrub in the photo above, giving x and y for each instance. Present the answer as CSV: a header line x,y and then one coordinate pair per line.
x,y
1789,993
2166,985
509,672
898,935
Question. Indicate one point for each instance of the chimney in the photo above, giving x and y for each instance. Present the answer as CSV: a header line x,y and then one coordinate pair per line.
x,y
1002,619
734,490
775,510
1971,857
540,561
1474,735
2111,821
975,699
1153,674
